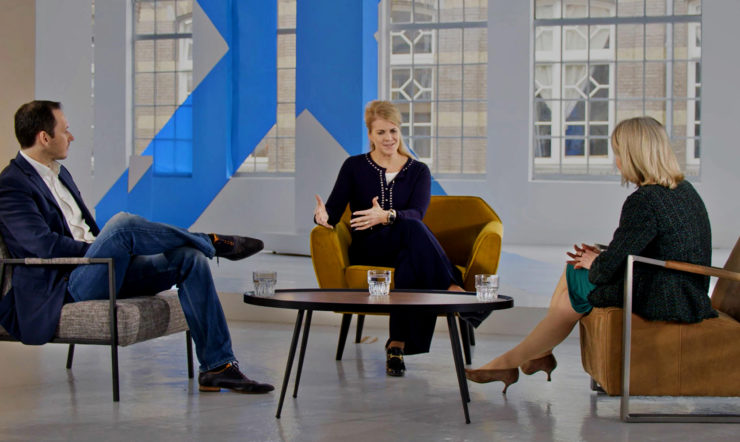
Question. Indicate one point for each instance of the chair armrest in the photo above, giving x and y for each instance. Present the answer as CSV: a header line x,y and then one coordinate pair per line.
x,y
72,261
486,253
55,261
330,255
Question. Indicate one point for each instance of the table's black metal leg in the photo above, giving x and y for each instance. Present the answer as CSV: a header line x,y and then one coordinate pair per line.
x,y
457,357
304,341
289,364
465,335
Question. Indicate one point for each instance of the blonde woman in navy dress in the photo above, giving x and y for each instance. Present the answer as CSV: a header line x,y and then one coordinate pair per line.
x,y
388,192
663,219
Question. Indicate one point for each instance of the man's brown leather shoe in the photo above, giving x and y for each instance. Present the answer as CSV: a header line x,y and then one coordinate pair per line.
x,y
230,377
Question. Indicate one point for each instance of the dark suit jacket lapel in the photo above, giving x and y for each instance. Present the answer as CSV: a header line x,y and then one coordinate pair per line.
x,y
66,178
37,181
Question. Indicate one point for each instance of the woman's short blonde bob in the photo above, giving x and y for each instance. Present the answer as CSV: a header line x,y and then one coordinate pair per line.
x,y
387,111
641,144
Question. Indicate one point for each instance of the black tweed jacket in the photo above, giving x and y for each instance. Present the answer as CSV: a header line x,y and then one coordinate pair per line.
x,y
664,224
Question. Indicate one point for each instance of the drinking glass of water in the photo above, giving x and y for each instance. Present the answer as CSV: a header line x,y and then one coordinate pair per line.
x,y
379,282
486,287
264,283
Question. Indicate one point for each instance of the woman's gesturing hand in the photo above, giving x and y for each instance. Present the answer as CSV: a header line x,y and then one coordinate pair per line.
x,y
583,256
364,219
320,215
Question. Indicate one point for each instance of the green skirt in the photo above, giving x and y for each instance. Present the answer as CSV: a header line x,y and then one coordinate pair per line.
x,y
578,288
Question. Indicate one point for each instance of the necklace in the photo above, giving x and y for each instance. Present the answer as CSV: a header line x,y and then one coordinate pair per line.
x,y
385,188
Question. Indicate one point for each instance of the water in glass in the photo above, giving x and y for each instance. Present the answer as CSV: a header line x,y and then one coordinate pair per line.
x,y
379,282
486,287
264,283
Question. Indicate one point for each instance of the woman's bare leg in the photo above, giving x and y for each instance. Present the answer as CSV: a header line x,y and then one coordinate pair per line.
x,y
551,331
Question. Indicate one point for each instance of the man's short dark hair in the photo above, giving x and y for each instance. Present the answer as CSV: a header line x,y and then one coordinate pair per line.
x,y
34,117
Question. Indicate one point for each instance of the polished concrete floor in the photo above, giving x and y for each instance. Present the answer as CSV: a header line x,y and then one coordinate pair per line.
x,y
338,401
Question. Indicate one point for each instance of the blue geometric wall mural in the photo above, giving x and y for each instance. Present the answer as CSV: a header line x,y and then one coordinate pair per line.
x,y
231,110
227,114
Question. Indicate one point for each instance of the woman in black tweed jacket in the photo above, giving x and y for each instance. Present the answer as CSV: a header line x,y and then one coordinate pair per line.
x,y
663,219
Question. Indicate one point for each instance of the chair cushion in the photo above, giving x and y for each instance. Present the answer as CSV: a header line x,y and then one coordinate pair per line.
x,y
139,319
356,276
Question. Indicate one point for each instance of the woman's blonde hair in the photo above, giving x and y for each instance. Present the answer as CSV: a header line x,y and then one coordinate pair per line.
x,y
387,111
645,153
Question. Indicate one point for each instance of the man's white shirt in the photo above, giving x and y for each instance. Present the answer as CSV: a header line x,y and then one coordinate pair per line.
x,y
72,212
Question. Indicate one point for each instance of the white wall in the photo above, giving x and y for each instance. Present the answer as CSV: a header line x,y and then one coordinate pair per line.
x,y
533,212
63,58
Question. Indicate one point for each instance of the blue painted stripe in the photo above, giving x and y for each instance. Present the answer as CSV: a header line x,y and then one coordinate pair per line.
x,y
336,66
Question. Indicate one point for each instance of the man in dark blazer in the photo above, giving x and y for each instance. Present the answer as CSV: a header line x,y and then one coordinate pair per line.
x,y
42,215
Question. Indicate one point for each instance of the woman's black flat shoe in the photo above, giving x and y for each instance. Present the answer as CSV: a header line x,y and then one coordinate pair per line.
x,y
394,365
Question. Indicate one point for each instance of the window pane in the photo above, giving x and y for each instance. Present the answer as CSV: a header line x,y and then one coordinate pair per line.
x,y
449,119
450,46
474,155
449,158
630,8
286,51
629,42
655,7
629,80
144,90
450,10
144,55
450,82
655,80
400,11
474,119
476,10
475,85
655,39
476,45
546,9
575,9
286,13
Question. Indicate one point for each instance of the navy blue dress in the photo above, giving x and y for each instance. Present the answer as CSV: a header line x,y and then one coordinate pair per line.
x,y
407,245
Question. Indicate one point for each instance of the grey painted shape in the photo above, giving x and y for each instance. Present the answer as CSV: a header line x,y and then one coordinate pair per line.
x,y
112,94
138,166
252,206
63,73
318,157
208,45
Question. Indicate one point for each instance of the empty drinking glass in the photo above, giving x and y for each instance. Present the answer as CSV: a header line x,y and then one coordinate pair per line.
x,y
486,287
379,282
264,282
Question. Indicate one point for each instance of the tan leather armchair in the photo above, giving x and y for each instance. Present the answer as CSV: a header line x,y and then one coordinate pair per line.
x,y
668,358
467,228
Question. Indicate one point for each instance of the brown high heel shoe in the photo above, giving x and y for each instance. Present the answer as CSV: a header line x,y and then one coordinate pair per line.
x,y
482,376
545,363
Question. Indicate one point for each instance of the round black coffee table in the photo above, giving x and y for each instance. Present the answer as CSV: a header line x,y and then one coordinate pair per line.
x,y
426,301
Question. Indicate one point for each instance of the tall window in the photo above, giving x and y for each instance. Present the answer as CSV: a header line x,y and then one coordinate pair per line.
x,y
436,74
276,152
597,62
163,80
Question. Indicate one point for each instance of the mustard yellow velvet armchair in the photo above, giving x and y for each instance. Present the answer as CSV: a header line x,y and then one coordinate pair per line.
x,y
469,231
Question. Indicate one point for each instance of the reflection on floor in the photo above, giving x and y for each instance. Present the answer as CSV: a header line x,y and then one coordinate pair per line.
x,y
338,401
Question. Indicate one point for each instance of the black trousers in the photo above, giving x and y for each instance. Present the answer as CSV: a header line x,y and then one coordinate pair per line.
x,y
420,263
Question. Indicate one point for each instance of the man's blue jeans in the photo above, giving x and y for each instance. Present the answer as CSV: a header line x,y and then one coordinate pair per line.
x,y
149,257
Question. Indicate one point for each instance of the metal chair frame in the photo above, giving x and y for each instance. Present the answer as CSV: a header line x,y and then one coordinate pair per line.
x,y
626,415
113,341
